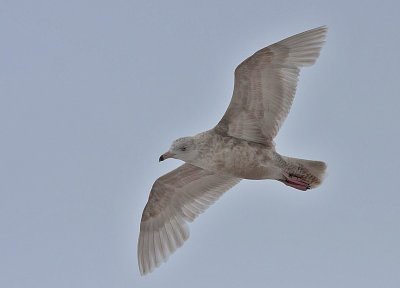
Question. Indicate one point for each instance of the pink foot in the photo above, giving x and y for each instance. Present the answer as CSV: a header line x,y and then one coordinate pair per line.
x,y
295,182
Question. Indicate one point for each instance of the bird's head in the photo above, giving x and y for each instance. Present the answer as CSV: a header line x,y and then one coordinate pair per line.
x,y
182,148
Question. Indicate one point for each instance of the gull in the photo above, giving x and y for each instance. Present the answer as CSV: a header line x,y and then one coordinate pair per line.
x,y
239,147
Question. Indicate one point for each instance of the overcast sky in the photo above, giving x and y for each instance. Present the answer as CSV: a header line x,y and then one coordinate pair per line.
x,y
93,92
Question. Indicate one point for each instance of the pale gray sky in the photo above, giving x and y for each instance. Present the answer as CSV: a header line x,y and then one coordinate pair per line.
x,y
92,92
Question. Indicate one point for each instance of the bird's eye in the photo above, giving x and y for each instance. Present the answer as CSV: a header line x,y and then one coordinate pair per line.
x,y
183,148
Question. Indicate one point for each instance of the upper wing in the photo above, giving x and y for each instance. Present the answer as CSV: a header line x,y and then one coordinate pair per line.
x,y
176,198
265,84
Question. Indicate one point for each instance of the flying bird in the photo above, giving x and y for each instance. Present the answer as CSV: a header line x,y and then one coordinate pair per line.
x,y
239,147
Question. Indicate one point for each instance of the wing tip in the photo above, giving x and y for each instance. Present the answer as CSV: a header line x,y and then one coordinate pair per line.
x,y
304,47
152,253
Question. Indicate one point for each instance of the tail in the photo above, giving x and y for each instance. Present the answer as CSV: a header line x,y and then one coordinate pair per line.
x,y
312,172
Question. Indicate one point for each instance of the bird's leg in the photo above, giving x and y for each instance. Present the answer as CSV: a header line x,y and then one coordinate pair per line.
x,y
295,182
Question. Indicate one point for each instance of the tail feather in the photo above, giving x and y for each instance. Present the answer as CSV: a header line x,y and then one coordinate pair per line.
x,y
313,172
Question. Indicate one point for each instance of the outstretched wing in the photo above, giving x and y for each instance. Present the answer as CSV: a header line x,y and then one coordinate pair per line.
x,y
175,199
265,84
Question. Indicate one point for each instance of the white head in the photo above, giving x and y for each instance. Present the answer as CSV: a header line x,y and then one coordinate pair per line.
x,y
183,149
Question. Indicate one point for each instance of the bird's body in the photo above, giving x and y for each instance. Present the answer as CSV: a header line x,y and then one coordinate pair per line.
x,y
239,147
235,157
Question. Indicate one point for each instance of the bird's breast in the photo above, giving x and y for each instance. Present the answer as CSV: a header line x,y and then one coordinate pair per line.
x,y
238,158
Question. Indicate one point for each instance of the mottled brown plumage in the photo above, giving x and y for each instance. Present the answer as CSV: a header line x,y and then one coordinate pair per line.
x,y
240,147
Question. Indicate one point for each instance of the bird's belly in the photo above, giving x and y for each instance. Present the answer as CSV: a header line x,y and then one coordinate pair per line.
x,y
246,162
254,172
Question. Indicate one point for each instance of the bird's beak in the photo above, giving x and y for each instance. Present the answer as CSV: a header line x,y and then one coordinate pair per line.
x,y
165,156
